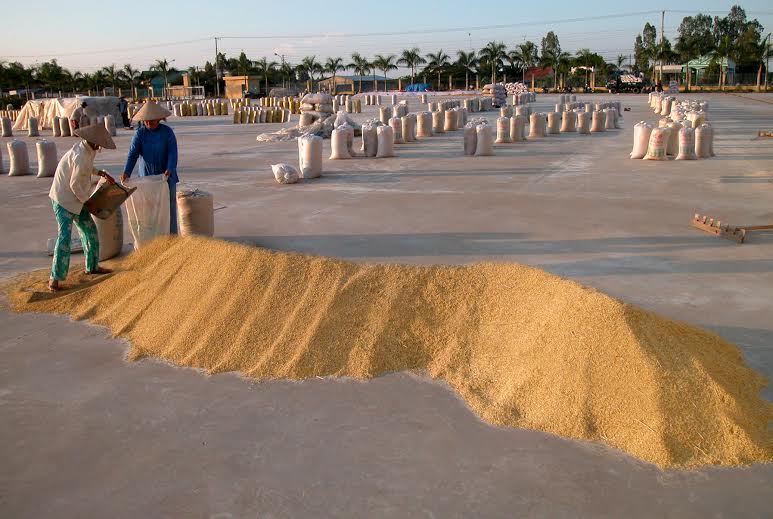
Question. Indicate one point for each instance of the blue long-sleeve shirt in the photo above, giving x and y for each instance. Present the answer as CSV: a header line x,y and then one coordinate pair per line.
x,y
157,151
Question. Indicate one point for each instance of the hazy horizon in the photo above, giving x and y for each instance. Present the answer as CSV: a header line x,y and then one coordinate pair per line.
x,y
182,32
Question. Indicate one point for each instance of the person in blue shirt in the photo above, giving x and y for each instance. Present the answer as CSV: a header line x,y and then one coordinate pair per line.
x,y
156,147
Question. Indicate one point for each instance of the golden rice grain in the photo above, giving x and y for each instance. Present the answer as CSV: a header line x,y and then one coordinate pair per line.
x,y
523,347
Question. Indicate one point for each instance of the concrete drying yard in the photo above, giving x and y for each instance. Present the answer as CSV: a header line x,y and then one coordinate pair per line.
x,y
86,434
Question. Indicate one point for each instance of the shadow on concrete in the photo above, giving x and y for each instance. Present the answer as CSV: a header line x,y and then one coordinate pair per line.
x,y
503,243
757,346
745,179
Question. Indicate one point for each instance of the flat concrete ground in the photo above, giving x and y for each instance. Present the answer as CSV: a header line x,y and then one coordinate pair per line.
x,y
86,434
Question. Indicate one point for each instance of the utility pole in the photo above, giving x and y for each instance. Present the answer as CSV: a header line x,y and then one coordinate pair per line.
x,y
767,63
662,41
217,70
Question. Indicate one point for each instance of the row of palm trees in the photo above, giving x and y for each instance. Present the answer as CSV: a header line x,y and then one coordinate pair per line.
x,y
492,57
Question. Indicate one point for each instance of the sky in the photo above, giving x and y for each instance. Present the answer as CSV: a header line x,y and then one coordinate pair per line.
x,y
182,32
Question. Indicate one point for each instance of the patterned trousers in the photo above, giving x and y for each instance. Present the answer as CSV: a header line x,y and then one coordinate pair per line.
x,y
88,232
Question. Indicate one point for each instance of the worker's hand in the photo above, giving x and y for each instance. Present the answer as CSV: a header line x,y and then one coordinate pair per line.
x,y
106,176
124,178
167,174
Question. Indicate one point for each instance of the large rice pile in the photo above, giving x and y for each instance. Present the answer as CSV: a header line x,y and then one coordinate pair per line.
x,y
523,347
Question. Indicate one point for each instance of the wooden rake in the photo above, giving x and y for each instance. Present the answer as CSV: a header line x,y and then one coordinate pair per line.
x,y
716,227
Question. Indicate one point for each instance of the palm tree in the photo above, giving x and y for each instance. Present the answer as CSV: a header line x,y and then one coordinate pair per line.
x,y
286,70
527,57
584,56
361,67
468,61
111,75
437,62
411,58
265,67
131,75
334,66
620,60
162,67
493,54
310,65
385,64
723,50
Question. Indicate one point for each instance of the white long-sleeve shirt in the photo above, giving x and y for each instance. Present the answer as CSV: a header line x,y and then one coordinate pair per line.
x,y
73,182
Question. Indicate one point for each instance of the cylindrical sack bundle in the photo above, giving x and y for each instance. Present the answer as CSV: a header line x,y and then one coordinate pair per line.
x,y
569,122
522,110
386,142
253,115
503,130
485,144
432,107
310,155
672,146
18,159
237,116
559,107
470,140
47,161
537,125
349,106
7,127
450,121
262,115
610,120
438,122
350,139
195,212
656,149
665,108
394,99
408,128
588,107
598,123
64,127
505,111
335,104
397,129
245,116
110,125
378,100
554,122
32,127
55,128
369,140
357,106
285,173
583,122
110,234
384,112
182,110
518,128
641,139
704,145
423,125
686,144
461,117
338,145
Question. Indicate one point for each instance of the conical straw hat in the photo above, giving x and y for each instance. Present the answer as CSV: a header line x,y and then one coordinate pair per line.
x,y
96,134
151,111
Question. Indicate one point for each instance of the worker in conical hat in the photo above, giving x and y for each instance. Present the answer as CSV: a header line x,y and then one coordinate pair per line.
x,y
155,145
73,185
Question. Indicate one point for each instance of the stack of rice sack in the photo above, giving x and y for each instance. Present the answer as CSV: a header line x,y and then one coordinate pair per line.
x,y
497,93
209,107
257,114
315,107
285,103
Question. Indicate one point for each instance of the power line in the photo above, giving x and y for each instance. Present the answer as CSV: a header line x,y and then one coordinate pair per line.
x,y
452,29
104,51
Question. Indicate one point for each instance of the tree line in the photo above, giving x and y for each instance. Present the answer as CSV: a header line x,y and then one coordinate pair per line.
x,y
733,36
